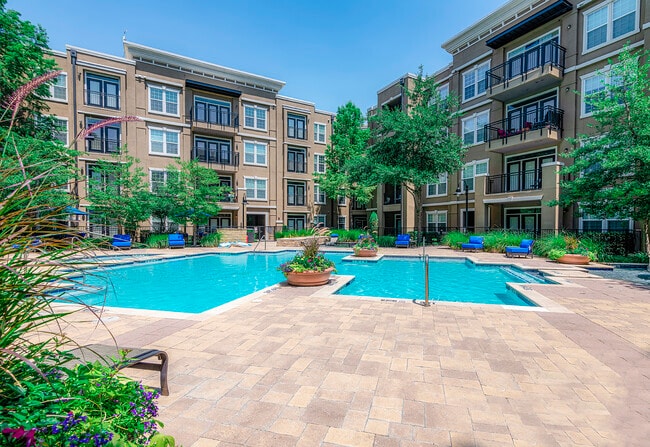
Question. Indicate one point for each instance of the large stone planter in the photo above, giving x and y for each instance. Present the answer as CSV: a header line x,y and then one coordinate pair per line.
x,y
309,279
573,259
365,253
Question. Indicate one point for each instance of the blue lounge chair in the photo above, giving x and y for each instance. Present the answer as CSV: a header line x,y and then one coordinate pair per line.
x,y
403,240
525,249
176,240
475,243
121,241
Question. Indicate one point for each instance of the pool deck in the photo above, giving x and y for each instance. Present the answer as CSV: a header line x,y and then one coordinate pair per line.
x,y
295,367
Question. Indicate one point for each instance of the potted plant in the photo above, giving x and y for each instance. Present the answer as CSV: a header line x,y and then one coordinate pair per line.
x,y
366,247
574,253
309,267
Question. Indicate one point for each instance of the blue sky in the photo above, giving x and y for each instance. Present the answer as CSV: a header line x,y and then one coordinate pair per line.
x,y
327,52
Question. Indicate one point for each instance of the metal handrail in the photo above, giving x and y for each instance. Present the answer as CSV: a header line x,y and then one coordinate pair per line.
x,y
518,124
513,182
548,53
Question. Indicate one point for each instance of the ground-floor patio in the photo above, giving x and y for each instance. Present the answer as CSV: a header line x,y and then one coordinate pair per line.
x,y
295,367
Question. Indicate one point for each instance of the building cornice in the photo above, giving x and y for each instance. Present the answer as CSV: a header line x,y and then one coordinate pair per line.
x,y
494,22
396,81
109,57
142,53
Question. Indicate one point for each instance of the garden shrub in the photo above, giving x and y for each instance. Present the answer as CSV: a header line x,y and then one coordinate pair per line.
x,y
157,241
386,241
349,235
454,239
497,241
211,240
305,232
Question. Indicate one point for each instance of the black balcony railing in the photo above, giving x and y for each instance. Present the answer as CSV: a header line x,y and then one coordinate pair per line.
x,y
223,118
101,99
222,157
547,53
103,145
515,181
520,123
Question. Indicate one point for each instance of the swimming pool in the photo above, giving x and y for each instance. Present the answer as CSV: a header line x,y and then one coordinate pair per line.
x,y
197,283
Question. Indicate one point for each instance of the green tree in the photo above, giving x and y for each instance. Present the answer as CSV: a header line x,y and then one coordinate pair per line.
x,y
197,192
118,192
413,148
344,158
23,48
610,174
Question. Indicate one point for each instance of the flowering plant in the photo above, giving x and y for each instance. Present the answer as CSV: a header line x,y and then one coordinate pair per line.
x,y
309,260
365,242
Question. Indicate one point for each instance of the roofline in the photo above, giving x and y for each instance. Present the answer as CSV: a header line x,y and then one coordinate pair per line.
x,y
490,24
301,101
99,54
201,68
386,87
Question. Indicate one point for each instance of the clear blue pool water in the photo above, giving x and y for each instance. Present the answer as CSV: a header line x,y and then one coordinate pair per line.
x,y
198,283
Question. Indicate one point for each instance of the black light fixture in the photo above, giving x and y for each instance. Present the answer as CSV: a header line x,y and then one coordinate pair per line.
x,y
466,191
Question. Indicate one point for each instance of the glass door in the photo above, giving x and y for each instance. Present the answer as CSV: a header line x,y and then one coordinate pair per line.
x,y
530,174
513,177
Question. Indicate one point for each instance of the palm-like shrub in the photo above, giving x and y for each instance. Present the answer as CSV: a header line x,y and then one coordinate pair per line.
x,y
308,260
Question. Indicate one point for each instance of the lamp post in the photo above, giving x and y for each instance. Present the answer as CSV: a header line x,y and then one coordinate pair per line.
x,y
466,191
244,202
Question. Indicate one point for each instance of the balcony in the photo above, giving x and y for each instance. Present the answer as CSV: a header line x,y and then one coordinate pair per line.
x,y
537,127
102,145
102,99
537,69
224,160
214,123
514,182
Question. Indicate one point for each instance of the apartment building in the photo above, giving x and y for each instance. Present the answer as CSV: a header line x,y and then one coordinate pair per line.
x,y
516,73
263,145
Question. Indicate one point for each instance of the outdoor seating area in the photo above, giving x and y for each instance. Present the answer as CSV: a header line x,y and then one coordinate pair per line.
x,y
403,241
475,243
176,240
525,249
121,242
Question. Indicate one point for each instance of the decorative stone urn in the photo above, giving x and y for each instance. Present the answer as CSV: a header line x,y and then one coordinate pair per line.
x,y
309,279
573,259
365,253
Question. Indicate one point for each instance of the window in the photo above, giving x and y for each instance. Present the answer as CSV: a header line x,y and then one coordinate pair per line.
x,y
255,117
61,130
296,221
59,88
592,84
341,222
105,139
610,22
254,153
213,150
163,100
320,220
593,223
341,200
438,189
159,178
473,128
443,91
319,133
211,111
255,188
164,142
319,196
471,170
98,179
474,81
296,126
437,221
319,163
296,194
296,160
159,225
102,91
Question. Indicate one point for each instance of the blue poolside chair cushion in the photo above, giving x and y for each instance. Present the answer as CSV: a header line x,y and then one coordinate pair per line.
x,y
475,243
403,240
176,240
121,241
525,249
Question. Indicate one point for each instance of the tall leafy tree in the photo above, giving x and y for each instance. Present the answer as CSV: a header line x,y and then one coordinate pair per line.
x,y
344,157
413,148
118,192
610,174
23,49
196,193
